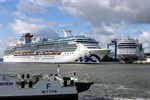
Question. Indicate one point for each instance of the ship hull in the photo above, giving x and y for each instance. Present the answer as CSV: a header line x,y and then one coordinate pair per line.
x,y
85,56
127,58
45,97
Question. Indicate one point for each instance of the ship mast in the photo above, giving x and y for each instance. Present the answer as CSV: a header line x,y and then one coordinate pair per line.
x,y
67,33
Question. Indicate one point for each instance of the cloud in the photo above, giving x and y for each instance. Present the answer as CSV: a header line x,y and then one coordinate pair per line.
x,y
144,39
22,16
48,3
3,1
29,6
96,12
3,10
106,18
2,46
40,29
108,11
103,39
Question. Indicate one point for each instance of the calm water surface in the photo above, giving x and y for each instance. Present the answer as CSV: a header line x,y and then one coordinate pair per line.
x,y
112,81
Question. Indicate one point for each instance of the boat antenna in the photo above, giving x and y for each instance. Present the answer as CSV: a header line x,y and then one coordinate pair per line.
x,y
58,71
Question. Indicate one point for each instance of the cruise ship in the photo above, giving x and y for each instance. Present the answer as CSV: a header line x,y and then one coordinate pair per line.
x,y
129,49
67,49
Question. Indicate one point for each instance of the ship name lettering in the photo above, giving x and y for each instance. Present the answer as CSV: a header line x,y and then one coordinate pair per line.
x,y
49,91
6,83
48,85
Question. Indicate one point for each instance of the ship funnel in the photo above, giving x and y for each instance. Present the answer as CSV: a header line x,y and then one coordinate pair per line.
x,y
67,33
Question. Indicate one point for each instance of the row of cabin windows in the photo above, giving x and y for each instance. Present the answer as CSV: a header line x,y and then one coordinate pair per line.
x,y
69,53
43,47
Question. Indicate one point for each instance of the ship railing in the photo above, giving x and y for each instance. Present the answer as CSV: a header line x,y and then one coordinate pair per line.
x,y
7,77
76,76
32,80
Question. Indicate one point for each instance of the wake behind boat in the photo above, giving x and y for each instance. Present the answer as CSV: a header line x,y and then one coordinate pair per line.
x,y
68,49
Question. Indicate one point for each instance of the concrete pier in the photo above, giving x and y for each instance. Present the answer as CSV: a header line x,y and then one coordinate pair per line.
x,y
141,61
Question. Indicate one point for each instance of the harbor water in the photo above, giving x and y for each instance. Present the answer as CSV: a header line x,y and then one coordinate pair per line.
x,y
112,81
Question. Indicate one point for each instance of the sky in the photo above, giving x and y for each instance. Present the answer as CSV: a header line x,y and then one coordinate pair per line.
x,y
103,20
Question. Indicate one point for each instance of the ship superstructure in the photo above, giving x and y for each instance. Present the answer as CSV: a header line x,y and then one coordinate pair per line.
x,y
129,49
67,49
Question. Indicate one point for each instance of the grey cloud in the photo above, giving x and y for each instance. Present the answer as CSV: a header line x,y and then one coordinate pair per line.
x,y
2,46
143,38
39,21
112,13
30,7
48,33
101,30
133,11
109,11
103,39
97,11
48,3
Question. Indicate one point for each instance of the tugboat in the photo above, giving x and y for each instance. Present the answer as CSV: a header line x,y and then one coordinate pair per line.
x,y
41,87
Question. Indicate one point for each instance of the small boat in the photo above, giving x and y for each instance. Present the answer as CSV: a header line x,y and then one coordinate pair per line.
x,y
41,87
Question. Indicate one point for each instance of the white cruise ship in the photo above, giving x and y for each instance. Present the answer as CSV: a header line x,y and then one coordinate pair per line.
x,y
67,49
129,50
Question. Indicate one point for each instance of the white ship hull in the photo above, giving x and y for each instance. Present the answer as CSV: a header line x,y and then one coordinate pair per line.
x,y
127,55
85,56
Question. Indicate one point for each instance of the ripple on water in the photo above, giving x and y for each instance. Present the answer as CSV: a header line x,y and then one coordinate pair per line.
x,y
112,81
